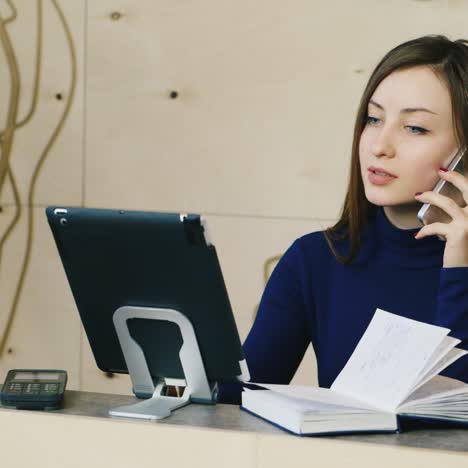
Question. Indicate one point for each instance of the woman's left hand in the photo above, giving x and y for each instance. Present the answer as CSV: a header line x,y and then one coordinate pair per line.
x,y
455,232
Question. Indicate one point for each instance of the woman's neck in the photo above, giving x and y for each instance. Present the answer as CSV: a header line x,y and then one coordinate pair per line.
x,y
403,216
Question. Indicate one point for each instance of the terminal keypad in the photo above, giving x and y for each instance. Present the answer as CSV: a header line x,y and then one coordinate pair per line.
x,y
33,388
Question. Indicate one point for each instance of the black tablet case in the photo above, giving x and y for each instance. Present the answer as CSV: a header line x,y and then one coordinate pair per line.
x,y
114,258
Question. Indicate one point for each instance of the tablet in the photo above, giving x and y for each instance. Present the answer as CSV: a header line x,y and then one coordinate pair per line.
x,y
115,258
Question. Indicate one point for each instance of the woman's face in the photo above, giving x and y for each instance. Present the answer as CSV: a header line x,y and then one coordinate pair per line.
x,y
403,139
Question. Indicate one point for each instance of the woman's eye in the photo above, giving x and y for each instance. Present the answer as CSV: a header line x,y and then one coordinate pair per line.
x,y
417,130
371,120
413,129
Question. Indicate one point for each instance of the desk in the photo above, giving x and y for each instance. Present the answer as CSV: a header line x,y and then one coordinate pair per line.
x,y
83,435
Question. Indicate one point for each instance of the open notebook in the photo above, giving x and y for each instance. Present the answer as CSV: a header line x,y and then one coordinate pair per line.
x,y
392,372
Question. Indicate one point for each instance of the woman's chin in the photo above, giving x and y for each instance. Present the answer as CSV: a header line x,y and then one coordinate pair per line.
x,y
386,199
378,200
391,201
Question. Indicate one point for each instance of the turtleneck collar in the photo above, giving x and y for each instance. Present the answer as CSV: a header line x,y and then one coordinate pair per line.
x,y
399,247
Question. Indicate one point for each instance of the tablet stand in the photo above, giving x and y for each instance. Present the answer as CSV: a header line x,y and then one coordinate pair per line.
x,y
160,406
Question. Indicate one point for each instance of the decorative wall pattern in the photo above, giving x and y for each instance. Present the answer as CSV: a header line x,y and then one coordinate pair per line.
x,y
14,123
40,116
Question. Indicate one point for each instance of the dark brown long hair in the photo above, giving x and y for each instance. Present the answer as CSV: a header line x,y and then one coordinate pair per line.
x,y
449,60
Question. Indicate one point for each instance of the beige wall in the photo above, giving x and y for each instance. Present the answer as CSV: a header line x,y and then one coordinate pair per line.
x,y
258,138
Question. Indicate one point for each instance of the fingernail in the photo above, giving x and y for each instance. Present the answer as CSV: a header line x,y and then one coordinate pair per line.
x,y
415,234
417,193
443,169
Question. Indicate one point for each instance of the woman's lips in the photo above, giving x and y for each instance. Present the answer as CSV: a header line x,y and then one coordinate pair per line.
x,y
379,178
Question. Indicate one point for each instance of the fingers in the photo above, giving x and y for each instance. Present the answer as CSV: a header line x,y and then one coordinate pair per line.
x,y
435,229
458,180
445,203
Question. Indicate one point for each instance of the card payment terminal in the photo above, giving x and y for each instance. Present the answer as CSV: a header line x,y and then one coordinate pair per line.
x,y
34,389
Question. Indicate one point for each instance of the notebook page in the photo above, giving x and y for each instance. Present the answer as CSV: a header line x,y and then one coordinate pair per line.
x,y
302,405
438,357
452,356
387,360
439,388
316,395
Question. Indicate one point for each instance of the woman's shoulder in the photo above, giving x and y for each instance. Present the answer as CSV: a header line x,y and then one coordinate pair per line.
x,y
320,248
312,241
308,249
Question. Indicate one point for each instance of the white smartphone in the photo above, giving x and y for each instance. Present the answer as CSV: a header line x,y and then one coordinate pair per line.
x,y
428,213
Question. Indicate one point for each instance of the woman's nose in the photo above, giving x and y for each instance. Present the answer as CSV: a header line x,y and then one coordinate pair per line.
x,y
383,144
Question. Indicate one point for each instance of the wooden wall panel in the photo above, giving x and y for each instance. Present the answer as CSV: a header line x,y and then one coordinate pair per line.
x,y
267,96
262,123
258,137
46,329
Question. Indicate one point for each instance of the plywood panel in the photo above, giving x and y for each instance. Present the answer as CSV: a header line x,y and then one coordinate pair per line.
x,y
60,179
267,93
258,136
46,329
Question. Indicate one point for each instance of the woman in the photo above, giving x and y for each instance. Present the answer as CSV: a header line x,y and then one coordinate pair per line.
x,y
412,118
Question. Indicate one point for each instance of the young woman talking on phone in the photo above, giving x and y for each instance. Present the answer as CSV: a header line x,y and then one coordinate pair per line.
x,y
412,118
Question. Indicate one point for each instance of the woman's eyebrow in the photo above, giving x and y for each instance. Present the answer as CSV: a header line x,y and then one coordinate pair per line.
x,y
406,110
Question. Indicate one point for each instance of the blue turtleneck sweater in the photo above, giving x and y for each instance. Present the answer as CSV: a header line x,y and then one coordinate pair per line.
x,y
312,298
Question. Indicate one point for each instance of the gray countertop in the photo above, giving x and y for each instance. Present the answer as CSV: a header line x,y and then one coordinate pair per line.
x,y
230,417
